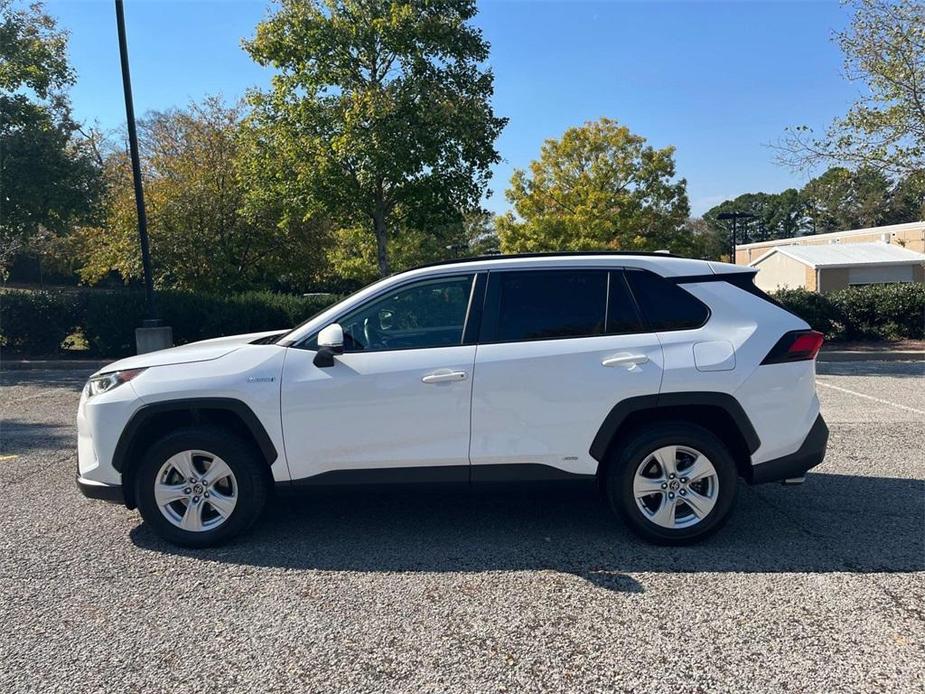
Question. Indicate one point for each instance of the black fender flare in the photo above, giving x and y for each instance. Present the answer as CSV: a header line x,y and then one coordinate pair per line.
x,y
625,408
192,405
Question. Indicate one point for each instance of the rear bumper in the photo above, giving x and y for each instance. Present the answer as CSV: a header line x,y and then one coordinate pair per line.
x,y
98,490
808,456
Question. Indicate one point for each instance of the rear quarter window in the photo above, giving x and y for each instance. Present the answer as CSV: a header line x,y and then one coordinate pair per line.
x,y
665,305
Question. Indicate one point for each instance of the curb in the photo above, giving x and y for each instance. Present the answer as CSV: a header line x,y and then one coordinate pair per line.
x,y
52,364
888,355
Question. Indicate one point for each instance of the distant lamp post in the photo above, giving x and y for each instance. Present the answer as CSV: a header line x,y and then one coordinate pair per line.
x,y
735,217
152,335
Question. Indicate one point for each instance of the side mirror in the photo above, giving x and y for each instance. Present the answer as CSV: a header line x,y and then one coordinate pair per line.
x,y
330,342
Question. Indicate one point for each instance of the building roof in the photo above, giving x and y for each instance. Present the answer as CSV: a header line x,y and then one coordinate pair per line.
x,y
889,229
846,255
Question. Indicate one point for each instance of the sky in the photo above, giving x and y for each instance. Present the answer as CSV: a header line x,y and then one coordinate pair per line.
x,y
720,81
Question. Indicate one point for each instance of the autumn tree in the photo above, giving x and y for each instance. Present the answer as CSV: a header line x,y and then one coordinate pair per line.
x,y
203,237
599,186
379,111
884,50
49,172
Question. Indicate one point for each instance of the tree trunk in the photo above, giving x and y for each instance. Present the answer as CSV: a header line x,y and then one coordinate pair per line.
x,y
381,251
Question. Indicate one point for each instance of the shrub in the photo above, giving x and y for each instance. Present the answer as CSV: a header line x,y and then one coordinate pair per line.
x,y
109,321
815,309
871,312
37,322
888,311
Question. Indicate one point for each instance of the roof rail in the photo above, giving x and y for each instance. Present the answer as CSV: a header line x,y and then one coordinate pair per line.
x,y
545,254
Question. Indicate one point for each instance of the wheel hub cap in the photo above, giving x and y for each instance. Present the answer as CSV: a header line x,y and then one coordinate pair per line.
x,y
196,490
676,487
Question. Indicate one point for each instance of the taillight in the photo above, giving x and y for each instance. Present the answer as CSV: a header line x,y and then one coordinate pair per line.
x,y
797,345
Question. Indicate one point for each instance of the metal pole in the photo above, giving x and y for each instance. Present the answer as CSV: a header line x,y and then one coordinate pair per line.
x,y
735,223
136,168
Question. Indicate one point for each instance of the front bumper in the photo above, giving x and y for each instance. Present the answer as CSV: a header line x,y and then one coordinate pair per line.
x,y
99,490
795,465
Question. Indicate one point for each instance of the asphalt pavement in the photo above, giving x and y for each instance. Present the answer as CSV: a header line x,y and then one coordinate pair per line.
x,y
816,588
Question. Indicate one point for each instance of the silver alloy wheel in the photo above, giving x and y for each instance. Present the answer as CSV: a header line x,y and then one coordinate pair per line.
x,y
676,487
196,490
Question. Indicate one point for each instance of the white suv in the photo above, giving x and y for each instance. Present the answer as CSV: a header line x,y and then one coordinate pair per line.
x,y
661,379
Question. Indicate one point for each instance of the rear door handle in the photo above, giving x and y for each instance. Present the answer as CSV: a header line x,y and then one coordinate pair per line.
x,y
444,376
627,360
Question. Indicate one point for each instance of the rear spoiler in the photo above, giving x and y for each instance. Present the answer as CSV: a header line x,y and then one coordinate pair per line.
x,y
743,279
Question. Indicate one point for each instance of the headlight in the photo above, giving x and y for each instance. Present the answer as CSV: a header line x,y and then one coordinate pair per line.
x,y
105,382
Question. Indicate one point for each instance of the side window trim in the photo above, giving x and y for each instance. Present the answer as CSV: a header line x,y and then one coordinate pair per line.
x,y
308,340
619,276
488,327
475,312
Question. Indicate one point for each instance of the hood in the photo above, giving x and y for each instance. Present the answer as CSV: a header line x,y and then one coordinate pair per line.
x,y
204,350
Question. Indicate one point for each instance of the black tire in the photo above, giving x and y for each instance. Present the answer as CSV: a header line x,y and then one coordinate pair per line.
x,y
638,447
245,461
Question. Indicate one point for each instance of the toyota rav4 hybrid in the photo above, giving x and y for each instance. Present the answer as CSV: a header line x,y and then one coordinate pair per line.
x,y
662,379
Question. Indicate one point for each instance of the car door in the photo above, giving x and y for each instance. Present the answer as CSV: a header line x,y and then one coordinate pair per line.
x,y
399,395
558,349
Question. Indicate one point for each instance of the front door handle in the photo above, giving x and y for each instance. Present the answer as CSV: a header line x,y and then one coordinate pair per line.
x,y
627,360
444,376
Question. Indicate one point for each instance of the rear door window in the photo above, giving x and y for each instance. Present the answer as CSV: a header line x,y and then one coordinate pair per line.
x,y
545,304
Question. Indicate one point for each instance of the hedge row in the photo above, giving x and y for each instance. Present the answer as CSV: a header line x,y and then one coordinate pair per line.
x,y
871,312
38,322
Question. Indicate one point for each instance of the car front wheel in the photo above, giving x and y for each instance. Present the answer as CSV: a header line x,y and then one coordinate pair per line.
x,y
673,483
200,487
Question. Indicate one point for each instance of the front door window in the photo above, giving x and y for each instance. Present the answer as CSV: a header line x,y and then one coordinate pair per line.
x,y
431,313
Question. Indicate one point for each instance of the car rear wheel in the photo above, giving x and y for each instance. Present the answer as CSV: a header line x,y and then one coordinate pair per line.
x,y
199,487
673,483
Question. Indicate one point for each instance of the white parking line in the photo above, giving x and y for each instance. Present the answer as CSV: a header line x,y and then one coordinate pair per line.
x,y
870,397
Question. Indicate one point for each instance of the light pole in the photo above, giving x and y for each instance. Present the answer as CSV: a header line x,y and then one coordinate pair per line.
x,y
152,335
735,217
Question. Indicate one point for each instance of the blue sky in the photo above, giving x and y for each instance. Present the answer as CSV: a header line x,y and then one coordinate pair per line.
x,y
720,81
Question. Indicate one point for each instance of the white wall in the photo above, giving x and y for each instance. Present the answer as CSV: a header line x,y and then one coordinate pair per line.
x,y
778,271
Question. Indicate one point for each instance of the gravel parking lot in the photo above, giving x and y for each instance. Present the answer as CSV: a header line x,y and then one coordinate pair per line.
x,y
813,588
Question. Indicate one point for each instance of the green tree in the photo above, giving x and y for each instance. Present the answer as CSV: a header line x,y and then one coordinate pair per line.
x,y
202,236
597,187
841,199
907,200
703,240
380,110
352,253
776,216
481,233
884,48
49,173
